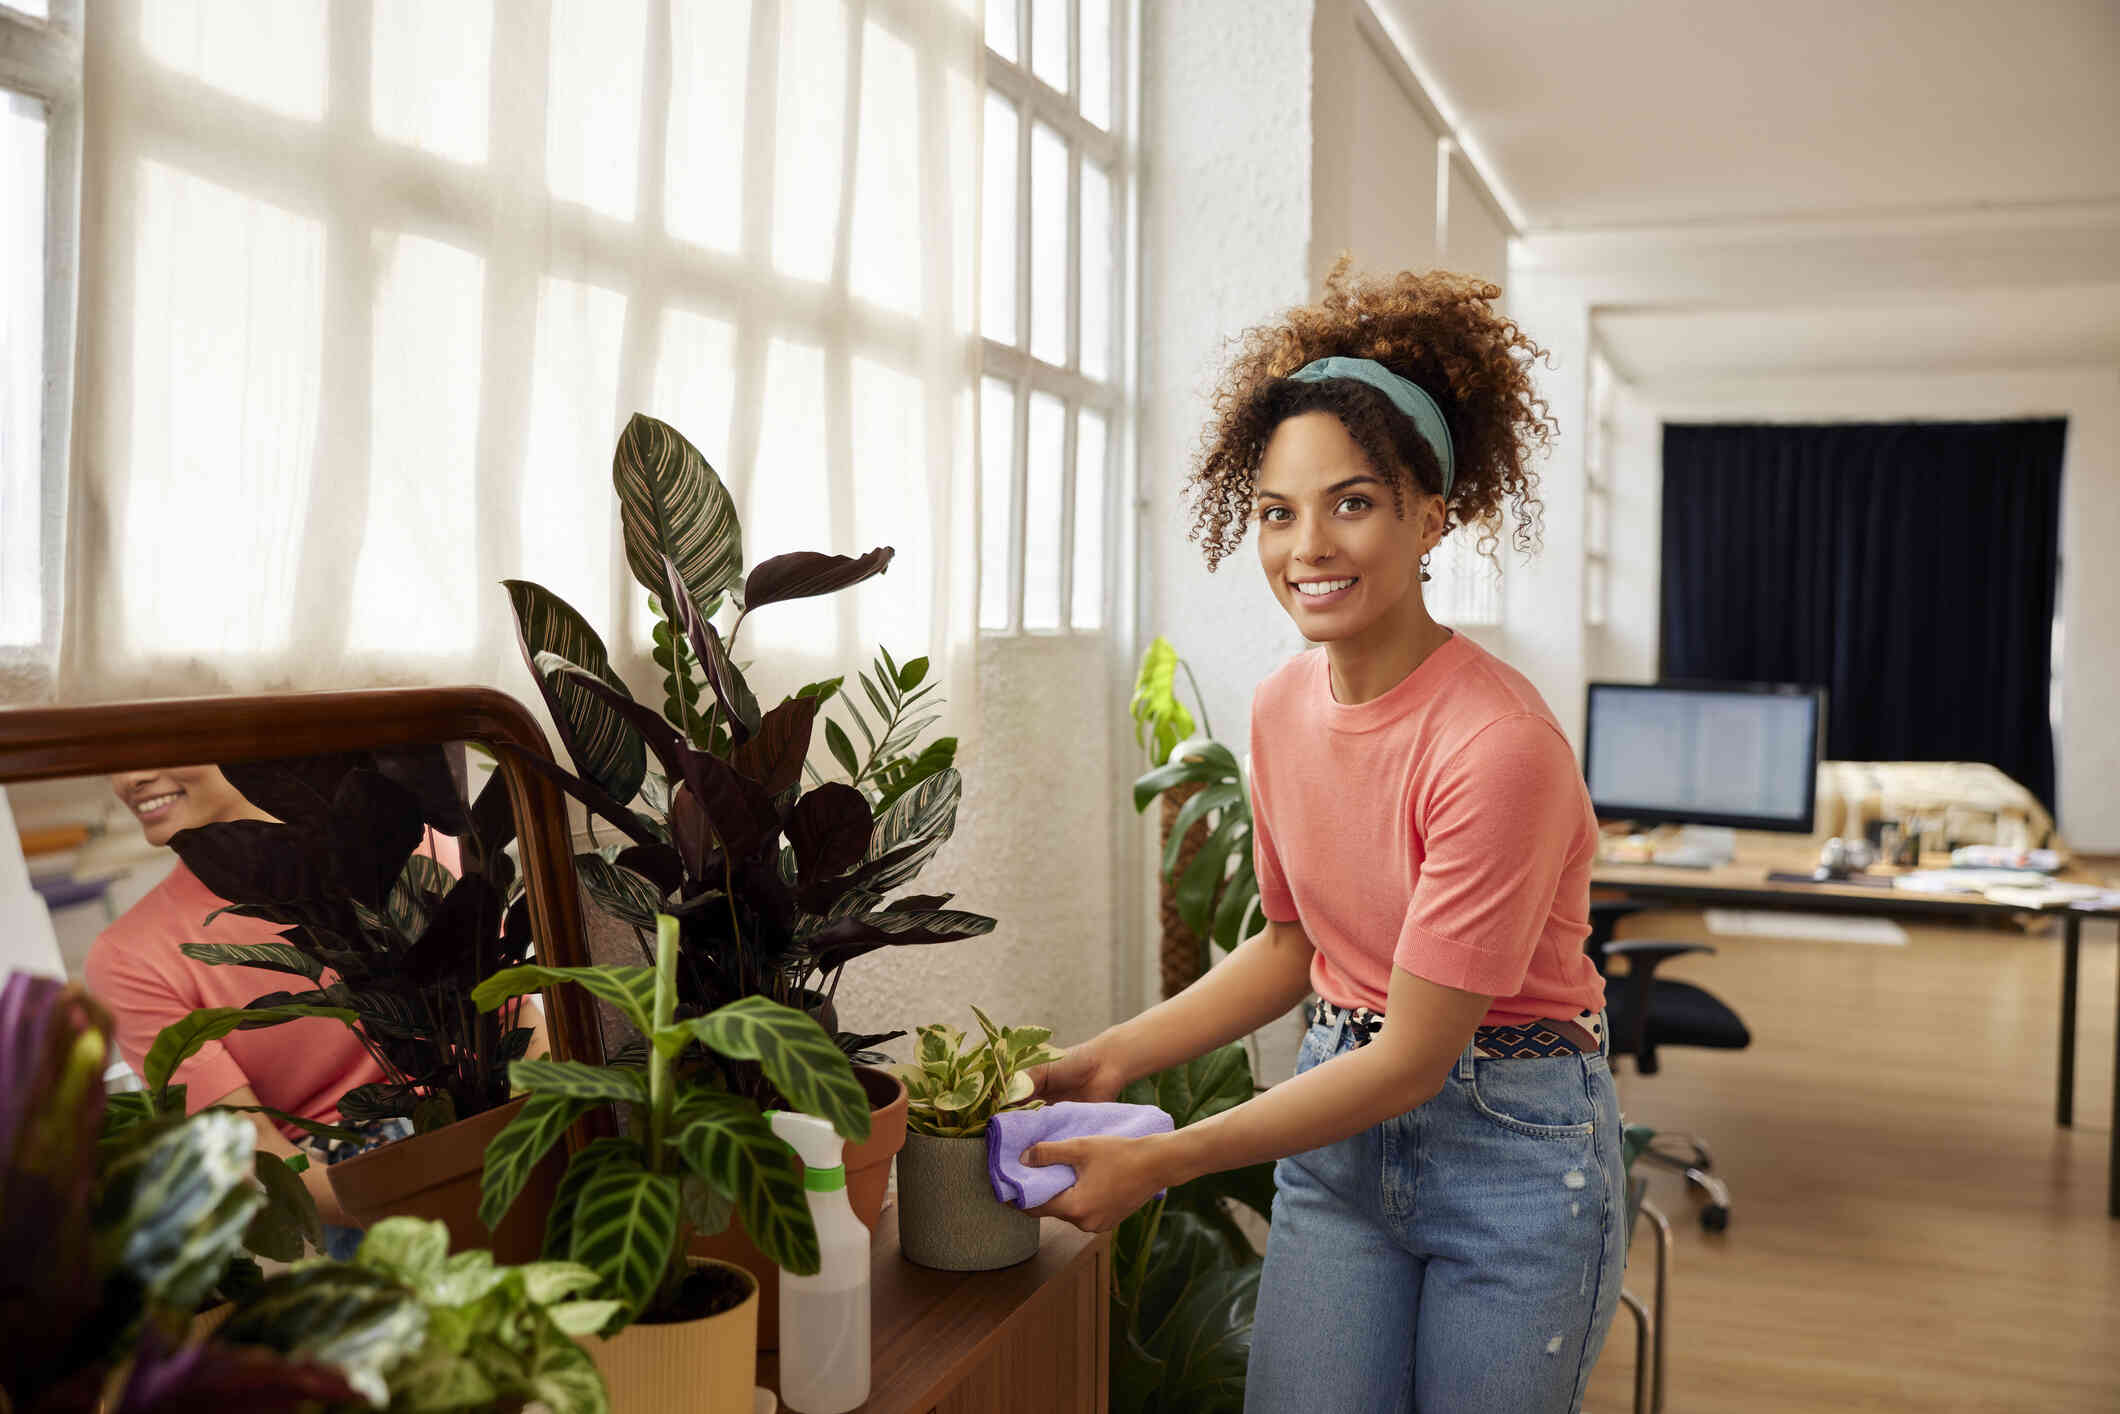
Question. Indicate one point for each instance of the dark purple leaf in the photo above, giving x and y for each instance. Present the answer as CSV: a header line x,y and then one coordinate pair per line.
x,y
214,1378
740,810
459,940
605,807
918,903
375,827
657,863
803,574
426,774
296,790
734,694
841,942
830,829
252,861
690,832
774,756
660,736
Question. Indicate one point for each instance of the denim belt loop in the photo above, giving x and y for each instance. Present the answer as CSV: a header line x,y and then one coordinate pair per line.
x,y
1465,1058
1338,1027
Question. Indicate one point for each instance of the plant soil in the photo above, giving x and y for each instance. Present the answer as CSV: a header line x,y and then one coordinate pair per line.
x,y
708,1291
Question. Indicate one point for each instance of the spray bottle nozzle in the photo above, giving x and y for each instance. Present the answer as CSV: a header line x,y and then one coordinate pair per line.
x,y
816,1143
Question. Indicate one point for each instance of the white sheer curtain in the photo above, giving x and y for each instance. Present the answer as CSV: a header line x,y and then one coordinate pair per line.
x,y
370,286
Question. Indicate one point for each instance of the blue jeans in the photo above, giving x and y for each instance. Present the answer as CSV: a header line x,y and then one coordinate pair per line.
x,y
1464,1257
340,1243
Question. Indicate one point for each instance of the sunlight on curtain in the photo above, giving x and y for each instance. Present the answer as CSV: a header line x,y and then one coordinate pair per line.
x,y
345,365
424,415
710,47
432,74
811,130
226,362
22,129
574,423
268,54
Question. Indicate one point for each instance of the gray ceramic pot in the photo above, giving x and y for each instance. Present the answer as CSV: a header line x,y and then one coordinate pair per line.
x,y
948,1216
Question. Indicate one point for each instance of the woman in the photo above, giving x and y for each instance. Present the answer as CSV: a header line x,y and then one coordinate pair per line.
x,y
1447,1230
136,968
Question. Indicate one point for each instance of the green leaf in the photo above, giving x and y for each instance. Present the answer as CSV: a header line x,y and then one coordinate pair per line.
x,y
630,989
288,1197
435,1110
272,957
1238,895
1205,1342
835,737
625,1228
672,506
706,1211
727,1142
409,1249
421,879
797,1056
606,748
912,674
562,1376
172,1211
1215,797
360,1321
1201,1088
581,1081
547,1282
515,1151
559,1223
180,1040
1203,877
1155,703
629,897
908,834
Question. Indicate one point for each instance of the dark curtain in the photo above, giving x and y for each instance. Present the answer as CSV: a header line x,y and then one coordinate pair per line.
x,y
1907,567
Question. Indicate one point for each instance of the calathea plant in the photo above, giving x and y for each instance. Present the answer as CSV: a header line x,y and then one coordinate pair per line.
x,y
403,938
775,886
694,1152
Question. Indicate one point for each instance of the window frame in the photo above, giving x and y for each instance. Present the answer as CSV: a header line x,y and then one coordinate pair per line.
x,y
42,59
1011,362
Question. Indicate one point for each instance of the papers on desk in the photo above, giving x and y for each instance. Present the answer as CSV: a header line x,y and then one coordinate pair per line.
x,y
2047,895
1811,927
1967,881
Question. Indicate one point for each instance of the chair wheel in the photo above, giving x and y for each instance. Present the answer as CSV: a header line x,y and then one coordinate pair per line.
x,y
1715,1217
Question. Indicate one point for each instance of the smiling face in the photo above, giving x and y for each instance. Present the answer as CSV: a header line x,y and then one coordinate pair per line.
x,y
177,798
1342,561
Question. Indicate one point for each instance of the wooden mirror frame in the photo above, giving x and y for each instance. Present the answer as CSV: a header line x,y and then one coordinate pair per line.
x,y
44,743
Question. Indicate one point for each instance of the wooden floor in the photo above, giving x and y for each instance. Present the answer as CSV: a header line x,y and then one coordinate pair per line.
x,y
1911,1230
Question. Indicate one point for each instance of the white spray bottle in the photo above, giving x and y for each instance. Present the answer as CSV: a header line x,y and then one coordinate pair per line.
x,y
824,1319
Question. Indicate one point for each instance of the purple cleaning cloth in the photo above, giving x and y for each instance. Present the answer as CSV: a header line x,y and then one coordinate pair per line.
x,y
1008,1134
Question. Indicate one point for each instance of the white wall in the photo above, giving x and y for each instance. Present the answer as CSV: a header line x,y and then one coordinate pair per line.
x,y
2087,745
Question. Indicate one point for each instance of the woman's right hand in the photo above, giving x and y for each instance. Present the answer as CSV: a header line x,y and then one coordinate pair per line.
x,y
1087,1072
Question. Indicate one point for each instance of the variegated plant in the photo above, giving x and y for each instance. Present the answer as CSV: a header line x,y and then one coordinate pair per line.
x,y
695,1152
956,1087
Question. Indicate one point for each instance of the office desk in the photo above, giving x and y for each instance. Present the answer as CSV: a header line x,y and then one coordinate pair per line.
x,y
1745,883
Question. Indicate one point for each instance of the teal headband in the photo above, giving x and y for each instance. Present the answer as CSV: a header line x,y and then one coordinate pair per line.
x,y
1407,396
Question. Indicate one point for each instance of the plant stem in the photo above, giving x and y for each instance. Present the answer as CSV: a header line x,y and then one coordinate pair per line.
x,y
1206,723
659,1093
1148,1245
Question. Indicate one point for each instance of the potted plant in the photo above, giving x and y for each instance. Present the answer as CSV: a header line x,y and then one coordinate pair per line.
x,y
118,1220
395,939
1209,889
683,1335
948,1215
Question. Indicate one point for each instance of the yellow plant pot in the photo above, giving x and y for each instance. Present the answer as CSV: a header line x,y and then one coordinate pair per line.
x,y
707,1366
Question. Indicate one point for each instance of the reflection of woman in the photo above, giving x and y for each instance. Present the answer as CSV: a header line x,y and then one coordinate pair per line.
x,y
137,970
1447,1227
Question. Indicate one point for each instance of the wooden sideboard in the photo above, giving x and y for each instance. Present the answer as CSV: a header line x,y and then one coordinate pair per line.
x,y
1030,1339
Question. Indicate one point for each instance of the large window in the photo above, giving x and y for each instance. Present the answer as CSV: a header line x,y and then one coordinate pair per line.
x,y
1052,290
40,88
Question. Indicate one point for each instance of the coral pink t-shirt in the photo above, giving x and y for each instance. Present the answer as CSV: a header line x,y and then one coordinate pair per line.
x,y
1442,827
135,969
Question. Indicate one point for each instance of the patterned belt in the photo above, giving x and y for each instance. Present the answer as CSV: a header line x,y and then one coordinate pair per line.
x,y
1530,1041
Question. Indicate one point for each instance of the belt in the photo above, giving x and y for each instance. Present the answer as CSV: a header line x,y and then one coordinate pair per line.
x,y
1530,1041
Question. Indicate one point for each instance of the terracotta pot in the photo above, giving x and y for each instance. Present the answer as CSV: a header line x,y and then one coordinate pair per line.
x,y
948,1216
868,1166
436,1175
707,1366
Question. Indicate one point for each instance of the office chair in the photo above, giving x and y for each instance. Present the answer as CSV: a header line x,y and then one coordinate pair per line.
x,y
1644,1012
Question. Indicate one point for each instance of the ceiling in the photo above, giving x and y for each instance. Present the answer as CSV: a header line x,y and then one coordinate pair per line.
x,y
1620,113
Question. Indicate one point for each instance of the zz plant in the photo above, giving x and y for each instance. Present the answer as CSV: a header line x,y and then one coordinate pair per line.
x,y
956,1086
692,1152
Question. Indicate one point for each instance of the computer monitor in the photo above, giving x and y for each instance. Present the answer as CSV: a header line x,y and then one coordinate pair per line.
x,y
1742,755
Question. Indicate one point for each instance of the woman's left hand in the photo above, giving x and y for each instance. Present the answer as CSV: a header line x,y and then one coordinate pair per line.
x,y
1113,1177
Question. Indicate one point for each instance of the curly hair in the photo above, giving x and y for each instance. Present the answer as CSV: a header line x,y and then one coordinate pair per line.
x,y
1441,331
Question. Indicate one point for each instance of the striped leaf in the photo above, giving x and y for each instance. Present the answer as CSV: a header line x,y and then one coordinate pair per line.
x,y
272,957
360,1321
559,1223
796,1055
630,989
629,897
625,1229
672,505
515,1151
580,1081
606,749
562,1376
174,1210
422,880
725,1141
180,1040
